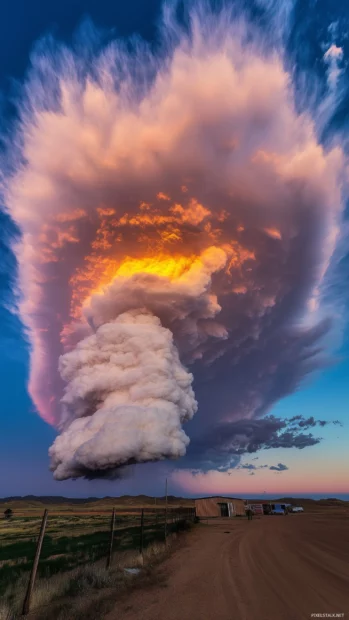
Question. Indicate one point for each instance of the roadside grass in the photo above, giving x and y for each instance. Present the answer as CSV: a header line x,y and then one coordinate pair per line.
x,y
90,591
75,577
62,552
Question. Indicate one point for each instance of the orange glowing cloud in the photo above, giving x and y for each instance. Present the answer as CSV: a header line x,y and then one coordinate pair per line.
x,y
194,214
170,266
273,232
162,196
153,232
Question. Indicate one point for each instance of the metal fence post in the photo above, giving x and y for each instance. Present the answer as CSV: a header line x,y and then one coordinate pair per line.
x,y
26,603
111,541
142,533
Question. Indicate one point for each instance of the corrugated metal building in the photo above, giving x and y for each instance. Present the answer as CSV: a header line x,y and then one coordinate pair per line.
x,y
219,507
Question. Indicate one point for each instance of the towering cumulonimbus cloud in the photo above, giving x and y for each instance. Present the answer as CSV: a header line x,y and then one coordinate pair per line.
x,y
176,211
127,393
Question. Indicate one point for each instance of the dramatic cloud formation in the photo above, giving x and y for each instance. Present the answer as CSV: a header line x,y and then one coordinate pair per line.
x,y
223,446
126,397
175,210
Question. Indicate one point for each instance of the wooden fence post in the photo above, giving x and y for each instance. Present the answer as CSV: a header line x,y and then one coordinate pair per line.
x,y
26,603
142,533
166,526
111,541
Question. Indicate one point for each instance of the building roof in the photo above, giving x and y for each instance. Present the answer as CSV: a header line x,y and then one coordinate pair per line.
x,y
219,497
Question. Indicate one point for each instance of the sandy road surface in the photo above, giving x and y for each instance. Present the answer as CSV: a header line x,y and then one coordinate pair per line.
x,y
272,568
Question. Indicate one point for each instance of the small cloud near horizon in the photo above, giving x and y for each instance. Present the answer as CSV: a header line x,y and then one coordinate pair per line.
x,y
279,467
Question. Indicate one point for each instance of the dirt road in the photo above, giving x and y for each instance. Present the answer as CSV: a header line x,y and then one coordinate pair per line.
x,y
272,568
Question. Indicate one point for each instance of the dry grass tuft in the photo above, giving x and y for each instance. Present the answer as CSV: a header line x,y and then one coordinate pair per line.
x,y
44,592
6,612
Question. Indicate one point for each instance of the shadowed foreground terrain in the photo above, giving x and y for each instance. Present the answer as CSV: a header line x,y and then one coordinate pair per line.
x,y
269,569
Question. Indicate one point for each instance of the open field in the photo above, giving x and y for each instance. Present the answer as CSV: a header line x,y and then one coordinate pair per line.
x,y
76,538
77,531
271,568
89,591
34,506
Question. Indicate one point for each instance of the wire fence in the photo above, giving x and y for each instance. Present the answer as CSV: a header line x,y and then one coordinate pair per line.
x,y
71,540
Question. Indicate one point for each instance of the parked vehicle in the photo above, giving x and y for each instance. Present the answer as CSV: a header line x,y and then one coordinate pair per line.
x,y
278,509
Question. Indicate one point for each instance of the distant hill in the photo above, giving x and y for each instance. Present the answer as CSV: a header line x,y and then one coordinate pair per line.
x,y
303,501
46,499
33,501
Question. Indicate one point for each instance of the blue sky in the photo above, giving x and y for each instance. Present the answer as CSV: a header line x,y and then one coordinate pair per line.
x,y
25,437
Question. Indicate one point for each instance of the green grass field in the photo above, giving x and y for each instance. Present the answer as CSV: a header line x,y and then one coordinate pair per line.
x,y
72,540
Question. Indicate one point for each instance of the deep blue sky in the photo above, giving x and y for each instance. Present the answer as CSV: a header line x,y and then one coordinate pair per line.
x,y
23,22
25,438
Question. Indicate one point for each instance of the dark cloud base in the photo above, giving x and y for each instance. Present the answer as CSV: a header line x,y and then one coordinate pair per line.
x,y
224,446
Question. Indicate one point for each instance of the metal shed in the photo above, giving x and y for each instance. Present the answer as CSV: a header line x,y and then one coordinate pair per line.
x,y
219,507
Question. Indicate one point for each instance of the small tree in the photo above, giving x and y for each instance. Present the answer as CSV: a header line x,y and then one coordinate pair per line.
x,y
8,513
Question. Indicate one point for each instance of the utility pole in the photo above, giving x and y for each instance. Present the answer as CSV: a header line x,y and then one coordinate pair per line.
x,y
166,511
265,493
142,533
111,539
